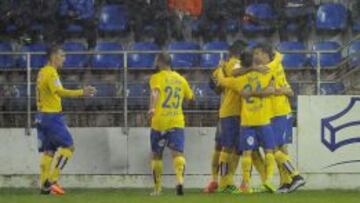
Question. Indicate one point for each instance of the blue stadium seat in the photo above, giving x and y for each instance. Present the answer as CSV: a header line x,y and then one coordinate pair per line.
x,y
186,59
212,60
331,16
37,61
108,60
205,97
75,60
138,94
293,61
105,90
113,18
232,25
259,11
142,60
11,29
74,28
104,98
6,61
356,27
332,88
327,60
37,27
354,53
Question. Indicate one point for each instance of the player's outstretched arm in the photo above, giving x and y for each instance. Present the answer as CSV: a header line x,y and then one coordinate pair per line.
x,y
88,91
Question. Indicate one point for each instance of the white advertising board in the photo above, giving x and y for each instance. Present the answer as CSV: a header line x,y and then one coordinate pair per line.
x,y
329,134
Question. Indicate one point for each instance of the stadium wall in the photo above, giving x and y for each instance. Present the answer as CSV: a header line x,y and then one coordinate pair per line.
x,y
106,157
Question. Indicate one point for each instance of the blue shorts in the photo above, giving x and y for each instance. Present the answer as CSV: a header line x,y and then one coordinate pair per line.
x,y
254,137
229,131
282,128
174,139
52,132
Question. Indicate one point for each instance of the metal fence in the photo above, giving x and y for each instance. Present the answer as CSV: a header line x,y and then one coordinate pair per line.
x,y
123,93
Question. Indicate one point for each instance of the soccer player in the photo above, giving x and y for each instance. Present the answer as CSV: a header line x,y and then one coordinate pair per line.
x,y
255,89
53,134
168,91
228,128
290,179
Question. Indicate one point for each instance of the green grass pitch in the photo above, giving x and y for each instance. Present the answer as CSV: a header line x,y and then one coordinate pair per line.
x,y
168,196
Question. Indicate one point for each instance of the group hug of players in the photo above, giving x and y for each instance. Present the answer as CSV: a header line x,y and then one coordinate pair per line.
x,y
255,121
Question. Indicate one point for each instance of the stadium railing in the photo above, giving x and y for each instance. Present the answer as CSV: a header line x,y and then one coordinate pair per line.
x,y
204,110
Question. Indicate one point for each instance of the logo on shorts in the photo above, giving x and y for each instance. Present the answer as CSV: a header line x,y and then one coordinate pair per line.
x,y
342,128
162,143
250,141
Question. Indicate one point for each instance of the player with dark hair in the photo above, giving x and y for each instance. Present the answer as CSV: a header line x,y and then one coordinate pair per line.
x,y
53,133
290,180
255,89
225,159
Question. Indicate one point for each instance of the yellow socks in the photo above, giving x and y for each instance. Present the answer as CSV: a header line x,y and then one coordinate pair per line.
x,y
234,162
215,165
246,163
179,166
157,169
45,165
284,160
259,165
62,157
224,168
270,166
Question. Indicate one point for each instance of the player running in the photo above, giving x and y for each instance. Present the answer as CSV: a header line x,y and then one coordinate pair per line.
x,y
168,91
53,133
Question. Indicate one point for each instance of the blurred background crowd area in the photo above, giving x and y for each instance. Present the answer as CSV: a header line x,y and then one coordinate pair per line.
x,y
192,25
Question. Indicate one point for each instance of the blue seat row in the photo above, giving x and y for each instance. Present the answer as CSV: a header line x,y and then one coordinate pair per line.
x,y
183,60
327,60
108,60
329,17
